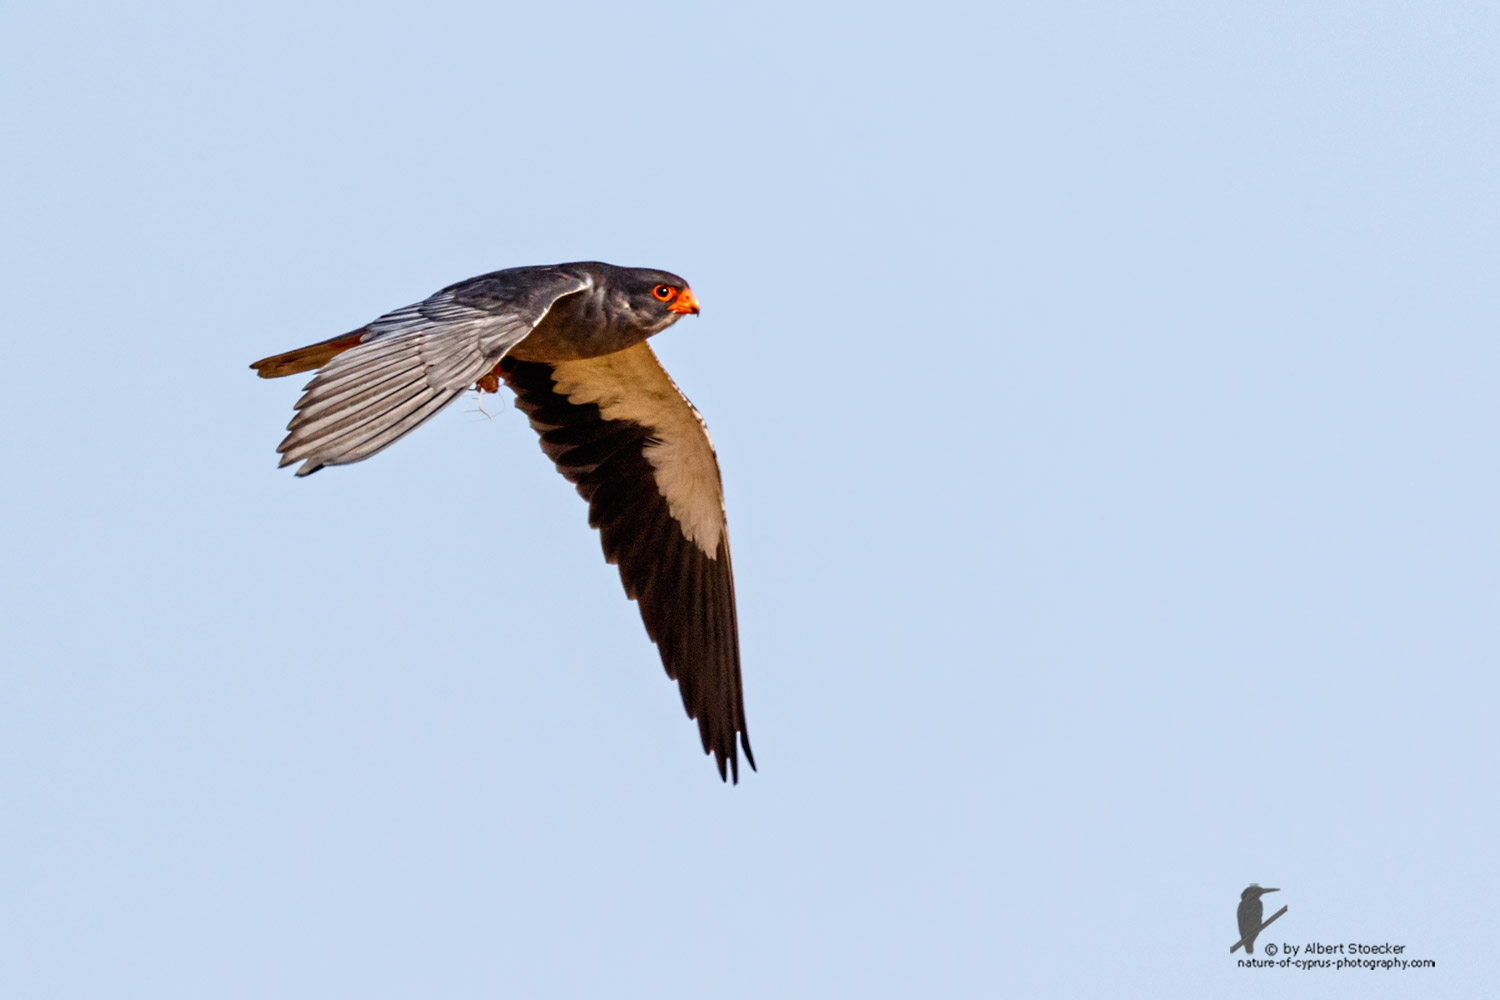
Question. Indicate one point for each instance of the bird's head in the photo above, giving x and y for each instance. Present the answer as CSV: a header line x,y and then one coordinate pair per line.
x,y
1253,891
654,300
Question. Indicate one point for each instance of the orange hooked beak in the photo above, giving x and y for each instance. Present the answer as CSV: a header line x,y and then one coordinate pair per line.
x,y
684,303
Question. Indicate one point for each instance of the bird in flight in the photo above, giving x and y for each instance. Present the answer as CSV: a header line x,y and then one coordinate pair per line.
x,y
570,341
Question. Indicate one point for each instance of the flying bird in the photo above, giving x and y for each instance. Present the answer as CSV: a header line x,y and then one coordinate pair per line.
x,y
1251,909
570,341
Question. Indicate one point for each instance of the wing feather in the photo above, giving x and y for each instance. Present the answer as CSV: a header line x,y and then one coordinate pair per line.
x,y
621,431
413,361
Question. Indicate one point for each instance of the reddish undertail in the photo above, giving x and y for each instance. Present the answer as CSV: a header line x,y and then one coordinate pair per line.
x,y
307,358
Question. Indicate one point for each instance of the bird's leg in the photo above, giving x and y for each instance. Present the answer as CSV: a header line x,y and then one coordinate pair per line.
x,y
488,382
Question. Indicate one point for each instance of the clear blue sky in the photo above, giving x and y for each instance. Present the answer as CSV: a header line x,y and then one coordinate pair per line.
x,y
1106,402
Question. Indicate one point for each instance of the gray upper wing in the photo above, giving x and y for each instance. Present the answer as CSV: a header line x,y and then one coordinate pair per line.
x,y
416,360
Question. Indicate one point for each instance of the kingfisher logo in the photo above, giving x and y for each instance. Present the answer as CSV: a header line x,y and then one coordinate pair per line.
x,y
1249,917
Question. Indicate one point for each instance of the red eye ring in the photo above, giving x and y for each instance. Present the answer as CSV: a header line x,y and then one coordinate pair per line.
x,y
664,293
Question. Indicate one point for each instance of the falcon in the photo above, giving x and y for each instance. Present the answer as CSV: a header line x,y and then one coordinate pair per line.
x,y
570,341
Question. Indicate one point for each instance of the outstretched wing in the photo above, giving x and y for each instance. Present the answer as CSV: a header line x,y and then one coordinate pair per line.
x,y
619,429
383,381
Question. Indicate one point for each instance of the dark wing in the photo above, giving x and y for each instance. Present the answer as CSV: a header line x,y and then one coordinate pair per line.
x,y
388,378
618,428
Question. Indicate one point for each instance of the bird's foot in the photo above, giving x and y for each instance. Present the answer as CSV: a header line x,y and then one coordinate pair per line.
x,y
490,382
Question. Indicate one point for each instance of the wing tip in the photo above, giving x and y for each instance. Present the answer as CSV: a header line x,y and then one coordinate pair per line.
x,y
309,464
728,760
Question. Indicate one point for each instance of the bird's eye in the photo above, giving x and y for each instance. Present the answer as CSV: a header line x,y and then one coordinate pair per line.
x,y
664,292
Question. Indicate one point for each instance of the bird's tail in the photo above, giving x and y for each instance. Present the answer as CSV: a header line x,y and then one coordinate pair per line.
x,y
1250,947
309,357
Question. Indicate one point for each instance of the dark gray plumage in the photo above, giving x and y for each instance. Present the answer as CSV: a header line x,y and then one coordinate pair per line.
x,y
1249,915
569,339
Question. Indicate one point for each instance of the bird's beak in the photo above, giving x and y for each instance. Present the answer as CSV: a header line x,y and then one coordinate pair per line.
x,y
684,303
1264,891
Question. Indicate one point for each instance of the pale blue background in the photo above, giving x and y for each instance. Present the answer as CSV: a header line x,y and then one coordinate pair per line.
x,y
1106,400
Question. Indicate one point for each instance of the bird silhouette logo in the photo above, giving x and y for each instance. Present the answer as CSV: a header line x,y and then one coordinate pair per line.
x,y
1249,917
